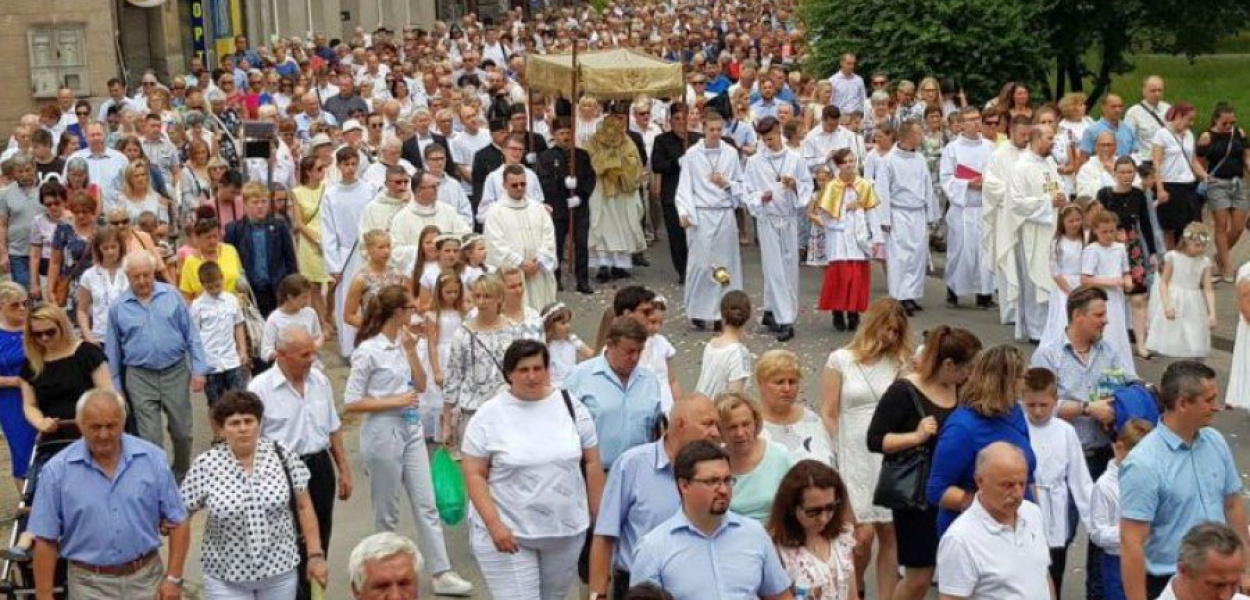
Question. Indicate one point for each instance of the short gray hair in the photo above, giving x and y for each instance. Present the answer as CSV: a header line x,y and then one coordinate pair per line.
x,y
288,335
377,547
132,259
1204,538
95,393
995,450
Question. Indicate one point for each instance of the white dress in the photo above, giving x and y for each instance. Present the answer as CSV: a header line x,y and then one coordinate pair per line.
x,y
1238,393
1111,262
721,365
656,354
862,387
804,439
432,400
1064,262
563,358
1186,336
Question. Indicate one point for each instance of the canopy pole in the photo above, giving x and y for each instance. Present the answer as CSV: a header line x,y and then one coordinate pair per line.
x,y
570,246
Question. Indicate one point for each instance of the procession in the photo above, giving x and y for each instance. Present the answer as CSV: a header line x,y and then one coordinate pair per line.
x,y
620,301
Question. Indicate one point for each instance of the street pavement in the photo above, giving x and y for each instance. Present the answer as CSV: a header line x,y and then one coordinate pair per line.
x,y
816,339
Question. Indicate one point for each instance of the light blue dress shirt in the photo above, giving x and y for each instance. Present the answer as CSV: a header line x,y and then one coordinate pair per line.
x,y
152,336
641,493
1174,486
736,562
1125,139
624,414
1078,380
106,522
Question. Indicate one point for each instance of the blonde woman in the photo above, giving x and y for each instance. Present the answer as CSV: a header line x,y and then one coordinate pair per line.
x,y
757,464
786,421
137,195
854,379
60,367
589,113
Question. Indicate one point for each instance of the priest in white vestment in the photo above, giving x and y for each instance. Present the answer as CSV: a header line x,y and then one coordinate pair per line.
x,y
425,209
777,187
1034,194
707,194
519,233
906,187
493,189
961,173
997,241
343,205
616,209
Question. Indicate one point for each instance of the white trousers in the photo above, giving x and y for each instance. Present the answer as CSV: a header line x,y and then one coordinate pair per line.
x,y
396,460
278,587
540,570
1030,314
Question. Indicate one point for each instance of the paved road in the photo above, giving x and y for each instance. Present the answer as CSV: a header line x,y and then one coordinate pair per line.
x,y
353,519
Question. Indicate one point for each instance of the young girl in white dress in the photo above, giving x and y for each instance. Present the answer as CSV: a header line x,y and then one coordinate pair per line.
x,y
726,364
426,266
658,354
1065,268
472,259
1105,264
1182,303
447,311
447,249
1238,392
816,239
565,348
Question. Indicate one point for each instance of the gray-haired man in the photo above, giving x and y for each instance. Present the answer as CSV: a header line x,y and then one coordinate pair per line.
x,y
384,566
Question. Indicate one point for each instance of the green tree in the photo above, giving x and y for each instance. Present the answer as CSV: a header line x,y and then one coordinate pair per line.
x,y
981,44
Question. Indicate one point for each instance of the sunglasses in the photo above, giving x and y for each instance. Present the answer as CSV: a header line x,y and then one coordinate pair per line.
x,y
519,185
816,511
398,182
83,113
44,334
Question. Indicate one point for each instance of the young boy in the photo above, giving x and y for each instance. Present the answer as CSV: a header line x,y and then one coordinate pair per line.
x,y
294,295
265,247
219,319
1061,470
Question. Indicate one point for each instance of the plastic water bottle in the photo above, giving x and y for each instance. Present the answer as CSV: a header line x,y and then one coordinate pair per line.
x,y
412,415
800,593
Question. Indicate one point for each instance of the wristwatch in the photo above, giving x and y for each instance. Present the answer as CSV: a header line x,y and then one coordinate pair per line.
x,y
177,581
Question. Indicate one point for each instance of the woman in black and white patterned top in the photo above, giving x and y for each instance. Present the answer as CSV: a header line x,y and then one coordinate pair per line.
x,y
245,486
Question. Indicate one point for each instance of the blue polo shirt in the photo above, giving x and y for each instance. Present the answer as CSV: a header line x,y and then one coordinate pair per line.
x,y
1125,139
102,521
625,414
641,493
736,562
1173,486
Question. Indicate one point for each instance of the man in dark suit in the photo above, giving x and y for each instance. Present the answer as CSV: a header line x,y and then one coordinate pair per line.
x,y
413,149
666,165
487,160
265,247
553,169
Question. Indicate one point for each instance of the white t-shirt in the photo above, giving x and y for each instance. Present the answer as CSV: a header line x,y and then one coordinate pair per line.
x,y
1177,150
534,449
279,320
981,559
722,365
215,318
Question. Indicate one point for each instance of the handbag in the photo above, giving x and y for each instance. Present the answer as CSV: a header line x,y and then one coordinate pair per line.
x,y
253,323
60,293
294,503
905,475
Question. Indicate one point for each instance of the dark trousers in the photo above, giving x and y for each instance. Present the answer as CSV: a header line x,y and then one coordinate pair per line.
x,y
1155,584
676,238
1058,564
1096,459
217,384
581,233
266,298
322,486
620,584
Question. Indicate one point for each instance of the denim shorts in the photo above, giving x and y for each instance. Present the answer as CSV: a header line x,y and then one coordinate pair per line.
x,y
1223,194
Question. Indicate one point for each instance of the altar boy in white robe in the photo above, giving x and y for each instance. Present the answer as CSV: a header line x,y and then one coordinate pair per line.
x,y
343,205
777,187
906,188
519,233
1034,194
961,174
1061,470
707,194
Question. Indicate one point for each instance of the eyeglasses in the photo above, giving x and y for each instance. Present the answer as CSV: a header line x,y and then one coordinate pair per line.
x,y
120,222
398,181
44,334
715,482
16,305
375,126
816,511
517,185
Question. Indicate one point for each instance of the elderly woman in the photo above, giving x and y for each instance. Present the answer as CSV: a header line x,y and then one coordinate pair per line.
x,y
854,379
908,419
17,431
255,493
1099,170
209,248
988,412
532,502
756,463
384,384
71,247
78,178
787,422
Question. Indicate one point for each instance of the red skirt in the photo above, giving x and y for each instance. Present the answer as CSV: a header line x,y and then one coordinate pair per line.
x,y
846,287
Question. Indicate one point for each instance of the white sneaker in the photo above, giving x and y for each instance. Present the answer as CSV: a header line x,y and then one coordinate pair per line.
x,y
451,584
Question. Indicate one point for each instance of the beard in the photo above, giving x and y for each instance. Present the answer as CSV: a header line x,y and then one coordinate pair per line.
x,y
719,507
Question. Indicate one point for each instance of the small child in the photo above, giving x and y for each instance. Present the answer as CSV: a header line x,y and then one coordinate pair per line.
x,y
447,313
375,274
1065,269
1061,469
658,354
816,238
294,297
219,319
447,247
1105,264
565,347
726,365
1104,508
472,259
1182,304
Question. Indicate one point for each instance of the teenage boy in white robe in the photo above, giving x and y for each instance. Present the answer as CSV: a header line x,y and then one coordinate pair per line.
x,y
344,205
961,173
905,186
777,188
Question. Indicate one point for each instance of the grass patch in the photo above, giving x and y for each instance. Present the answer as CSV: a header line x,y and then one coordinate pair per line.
x,y
1204,81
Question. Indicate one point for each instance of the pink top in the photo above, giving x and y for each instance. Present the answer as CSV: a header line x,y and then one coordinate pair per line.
x,y
823,580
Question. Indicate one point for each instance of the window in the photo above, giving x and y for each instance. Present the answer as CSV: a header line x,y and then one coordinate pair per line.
x,y
58,59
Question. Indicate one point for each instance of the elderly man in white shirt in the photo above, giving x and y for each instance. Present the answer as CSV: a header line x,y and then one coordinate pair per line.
x,y
300,413
996,549
1147,117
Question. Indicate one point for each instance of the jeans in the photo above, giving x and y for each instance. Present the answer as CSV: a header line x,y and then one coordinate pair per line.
x,y
278,587
217,384
541,570
396,459
19,270
151,393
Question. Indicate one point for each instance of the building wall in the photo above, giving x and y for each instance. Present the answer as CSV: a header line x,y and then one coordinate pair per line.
x,y
16,17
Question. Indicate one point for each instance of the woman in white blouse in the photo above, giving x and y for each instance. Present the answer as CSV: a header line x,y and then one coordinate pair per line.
x,y
385,383
100,285
532,501
811,526
1179,173
786,421
245,486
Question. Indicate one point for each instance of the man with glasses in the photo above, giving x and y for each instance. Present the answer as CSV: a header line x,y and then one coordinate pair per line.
x,y
427,208
705,546
849,93
519,233
493,185
961,173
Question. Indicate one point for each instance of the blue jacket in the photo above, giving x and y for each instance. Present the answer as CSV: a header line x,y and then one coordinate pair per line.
x,y
281,248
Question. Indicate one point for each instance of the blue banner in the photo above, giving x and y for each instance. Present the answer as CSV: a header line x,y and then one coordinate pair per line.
x,y
199,35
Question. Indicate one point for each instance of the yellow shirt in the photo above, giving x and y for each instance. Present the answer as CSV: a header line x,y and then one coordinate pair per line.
x,y
227,259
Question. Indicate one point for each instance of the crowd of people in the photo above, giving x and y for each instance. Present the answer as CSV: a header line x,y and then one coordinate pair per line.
x,y
420,212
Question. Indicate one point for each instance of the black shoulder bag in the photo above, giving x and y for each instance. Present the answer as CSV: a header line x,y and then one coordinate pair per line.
x,y
294,504
905,475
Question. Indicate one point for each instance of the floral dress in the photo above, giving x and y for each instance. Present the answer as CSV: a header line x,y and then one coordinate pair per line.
x,y
822,579
1131,209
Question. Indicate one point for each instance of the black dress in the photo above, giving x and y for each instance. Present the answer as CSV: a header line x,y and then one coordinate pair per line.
x,y
916,530
62,381
1139,237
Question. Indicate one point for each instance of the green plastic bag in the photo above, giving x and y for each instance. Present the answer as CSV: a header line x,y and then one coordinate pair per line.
x,y
449,490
